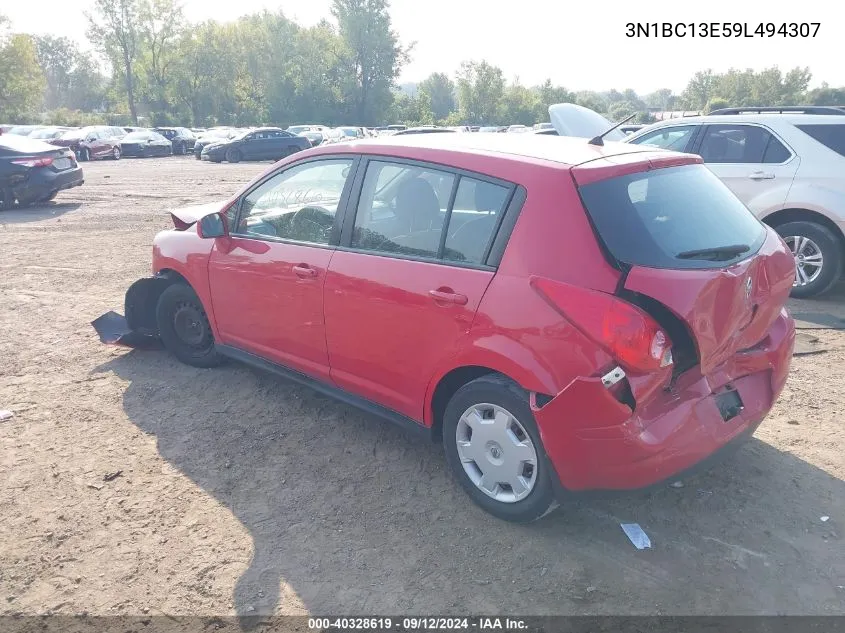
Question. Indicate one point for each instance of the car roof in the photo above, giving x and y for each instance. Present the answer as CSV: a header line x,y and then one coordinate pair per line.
x,y
794,118
561,150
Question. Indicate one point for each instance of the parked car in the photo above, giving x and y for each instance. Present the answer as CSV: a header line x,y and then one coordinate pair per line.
x,y
48,133
565,317
546,132
213,135
787,165
145,144
93,142
24,130
333,135
430,129
488,129
518,129
351,132
315,138
543,126
396,127
267,143
33,171
299,129
133,128
181,138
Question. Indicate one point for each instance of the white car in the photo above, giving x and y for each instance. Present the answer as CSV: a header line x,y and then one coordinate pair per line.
x,y
786,164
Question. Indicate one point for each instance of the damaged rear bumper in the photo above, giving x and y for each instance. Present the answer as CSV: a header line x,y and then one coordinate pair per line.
x,y
596,443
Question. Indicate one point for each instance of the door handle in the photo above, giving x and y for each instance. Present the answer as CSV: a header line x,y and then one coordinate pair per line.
x,y
447,296
304,270
761,175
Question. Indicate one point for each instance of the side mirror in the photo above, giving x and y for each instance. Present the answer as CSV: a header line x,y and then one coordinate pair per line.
x,y
212,226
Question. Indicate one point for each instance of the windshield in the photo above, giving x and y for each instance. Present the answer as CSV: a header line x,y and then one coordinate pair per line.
x,y
348,131
650,218
298,129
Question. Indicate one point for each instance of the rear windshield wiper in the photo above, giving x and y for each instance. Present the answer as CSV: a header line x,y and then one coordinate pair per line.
x,y
715,253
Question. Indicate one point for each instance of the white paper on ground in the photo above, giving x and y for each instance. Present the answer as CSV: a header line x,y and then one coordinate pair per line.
x,y
635,533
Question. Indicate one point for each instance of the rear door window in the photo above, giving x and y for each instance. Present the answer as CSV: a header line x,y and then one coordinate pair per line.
x,y
831,136
735,143
678,217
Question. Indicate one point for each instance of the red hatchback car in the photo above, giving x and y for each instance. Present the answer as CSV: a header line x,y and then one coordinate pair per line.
x,y
565,317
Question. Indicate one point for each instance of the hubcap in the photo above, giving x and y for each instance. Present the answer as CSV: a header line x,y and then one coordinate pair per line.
x,y
190,325
808,259
496,452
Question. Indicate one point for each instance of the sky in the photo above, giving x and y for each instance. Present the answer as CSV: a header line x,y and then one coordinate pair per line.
x,y
579,45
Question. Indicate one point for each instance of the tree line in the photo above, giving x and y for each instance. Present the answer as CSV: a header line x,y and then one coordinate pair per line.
x,y
150,65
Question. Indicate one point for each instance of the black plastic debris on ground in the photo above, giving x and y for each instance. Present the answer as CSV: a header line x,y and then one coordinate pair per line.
x,y
113,330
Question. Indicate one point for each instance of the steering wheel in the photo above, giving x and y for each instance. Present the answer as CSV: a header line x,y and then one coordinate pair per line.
x,y
317,215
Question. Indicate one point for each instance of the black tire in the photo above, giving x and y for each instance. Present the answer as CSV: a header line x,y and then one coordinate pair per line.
x,y
233,155
184,328
49,197
497,390
183,149
116,153
198,155
831,250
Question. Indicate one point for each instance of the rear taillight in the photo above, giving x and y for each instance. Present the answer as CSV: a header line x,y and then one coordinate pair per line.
x,y
34,162
627,333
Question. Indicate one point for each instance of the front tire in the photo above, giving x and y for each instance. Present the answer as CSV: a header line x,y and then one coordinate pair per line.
x,y
184,327
233,156
818,257
115,153
494,449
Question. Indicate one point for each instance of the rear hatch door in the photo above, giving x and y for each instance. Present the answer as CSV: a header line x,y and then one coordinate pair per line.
x,y
688,243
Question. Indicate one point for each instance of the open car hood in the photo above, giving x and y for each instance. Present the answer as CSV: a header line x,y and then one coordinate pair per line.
x,y
184,217
569,119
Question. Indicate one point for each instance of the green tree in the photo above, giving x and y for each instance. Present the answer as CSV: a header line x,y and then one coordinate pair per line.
x,y
441,92
699,90
114,28
375,55
481,88
519,105
716,103
592,100
160,23
22,82
824,95
73,77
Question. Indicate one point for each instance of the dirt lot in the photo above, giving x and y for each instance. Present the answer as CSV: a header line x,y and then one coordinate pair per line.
x,y
240,493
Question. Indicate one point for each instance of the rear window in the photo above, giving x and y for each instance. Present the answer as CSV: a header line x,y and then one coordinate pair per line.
x,y
667,217
831,136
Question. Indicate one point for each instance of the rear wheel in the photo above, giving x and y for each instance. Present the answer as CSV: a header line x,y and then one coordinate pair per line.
x,y
7,199
818,256
494,449
115,153
233,155
183,149
184,328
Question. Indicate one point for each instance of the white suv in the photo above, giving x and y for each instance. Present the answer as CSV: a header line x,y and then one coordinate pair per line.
x,y
787,165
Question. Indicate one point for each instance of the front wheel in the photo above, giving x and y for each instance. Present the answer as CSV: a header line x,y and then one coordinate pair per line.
x,y
184,328
115,153
818,257
233,155
494,449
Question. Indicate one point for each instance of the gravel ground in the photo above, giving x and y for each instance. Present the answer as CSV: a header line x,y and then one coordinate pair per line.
x,y
241,494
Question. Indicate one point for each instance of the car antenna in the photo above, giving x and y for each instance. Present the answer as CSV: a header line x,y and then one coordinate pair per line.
x,y
598,140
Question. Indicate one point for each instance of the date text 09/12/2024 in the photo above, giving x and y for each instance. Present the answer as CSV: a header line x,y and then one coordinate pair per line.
x,y
722,29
